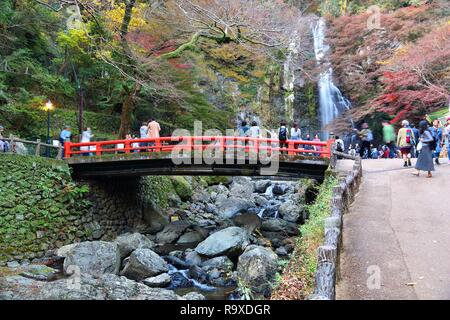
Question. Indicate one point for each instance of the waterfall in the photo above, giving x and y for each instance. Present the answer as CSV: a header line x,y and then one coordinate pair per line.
x,y
332,102
289,78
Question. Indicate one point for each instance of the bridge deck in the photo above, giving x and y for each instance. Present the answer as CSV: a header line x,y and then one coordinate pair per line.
x,y
161,163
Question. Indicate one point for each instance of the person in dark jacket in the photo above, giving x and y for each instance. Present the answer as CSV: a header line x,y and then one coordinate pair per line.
x,y
425,160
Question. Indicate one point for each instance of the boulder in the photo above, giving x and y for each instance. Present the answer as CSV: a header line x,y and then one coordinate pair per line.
x,y
104,287
242,187
232,206
192,257
93,257
230,242
159,281
172,232
129,242
290,211
220,199
190,237
182,187
201,197
257,267
144,263
62,252
216,180
248,221
197,273
222,262
262,185
281,251
280,225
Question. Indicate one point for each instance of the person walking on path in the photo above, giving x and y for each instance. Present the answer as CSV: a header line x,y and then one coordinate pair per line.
x,y
86,136
437,133
447,137
405,141
283,135
366,137
389,137
425,160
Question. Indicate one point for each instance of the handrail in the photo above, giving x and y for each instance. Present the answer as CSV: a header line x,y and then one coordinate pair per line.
x,y
37,143
165,144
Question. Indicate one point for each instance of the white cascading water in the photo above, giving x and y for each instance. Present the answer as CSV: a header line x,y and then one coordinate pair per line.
x,y
289,78
332,102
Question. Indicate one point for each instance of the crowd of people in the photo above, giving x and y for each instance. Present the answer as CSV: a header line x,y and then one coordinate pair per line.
x,y
428,143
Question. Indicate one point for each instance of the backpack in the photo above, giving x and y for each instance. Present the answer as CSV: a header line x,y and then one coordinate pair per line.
x,y
369,135
408,136
282,135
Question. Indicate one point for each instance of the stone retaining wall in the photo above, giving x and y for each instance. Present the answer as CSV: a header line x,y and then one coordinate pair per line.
x,y
328,255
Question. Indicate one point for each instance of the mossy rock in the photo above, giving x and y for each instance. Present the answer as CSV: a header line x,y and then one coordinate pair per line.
x,y
182,188
213,180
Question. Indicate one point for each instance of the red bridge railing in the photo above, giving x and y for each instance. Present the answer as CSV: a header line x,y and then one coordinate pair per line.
x,y
224,143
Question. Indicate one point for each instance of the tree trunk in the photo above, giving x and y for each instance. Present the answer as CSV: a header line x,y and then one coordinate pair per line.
x,y
127,111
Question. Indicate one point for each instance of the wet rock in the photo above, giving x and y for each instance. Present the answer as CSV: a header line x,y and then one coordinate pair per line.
x,y
230,242
248,221
232,206
261,201
220,199
129,242
144,263
280,189
262,185
193,296
177,262
39,272
197,273
190,237
290,211
93,257
279,225
159,281
192,258
171,232
257,267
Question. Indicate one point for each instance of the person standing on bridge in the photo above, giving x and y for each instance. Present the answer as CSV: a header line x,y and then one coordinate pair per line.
x,y
86,136
153,130
254,131
405,140
296,134
389,137
143,131
425,160
283,135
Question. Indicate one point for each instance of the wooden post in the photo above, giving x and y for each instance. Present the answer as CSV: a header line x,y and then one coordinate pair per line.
x,y
326,272
13,144
38,148
60,151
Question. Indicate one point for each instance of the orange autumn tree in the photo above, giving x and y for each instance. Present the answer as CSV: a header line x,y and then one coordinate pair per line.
x,y
417,79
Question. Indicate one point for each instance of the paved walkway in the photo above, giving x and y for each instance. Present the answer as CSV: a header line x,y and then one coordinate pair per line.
x,y
400,225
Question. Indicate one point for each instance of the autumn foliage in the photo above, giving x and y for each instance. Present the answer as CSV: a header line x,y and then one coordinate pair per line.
x,y
401,68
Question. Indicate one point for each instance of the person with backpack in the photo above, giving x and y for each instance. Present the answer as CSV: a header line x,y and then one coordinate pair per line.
x,y
283,135
366,137
436,132
425,160
243,130
405,141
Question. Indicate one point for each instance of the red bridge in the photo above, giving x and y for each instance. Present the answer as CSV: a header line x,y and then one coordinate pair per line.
x,y
203,155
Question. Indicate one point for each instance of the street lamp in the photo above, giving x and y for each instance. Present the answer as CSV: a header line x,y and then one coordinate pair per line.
x,y
48,107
